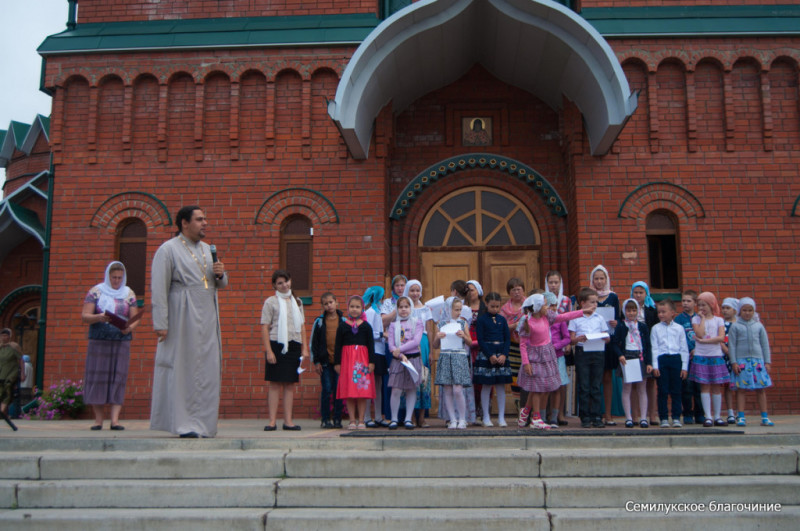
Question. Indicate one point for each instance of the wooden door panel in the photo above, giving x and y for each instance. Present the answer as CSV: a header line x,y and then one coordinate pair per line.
x,y
499,266
440,269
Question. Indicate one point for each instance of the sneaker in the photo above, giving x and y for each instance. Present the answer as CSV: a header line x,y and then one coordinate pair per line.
x,y
741,422
598,424
677,424
766,422
688,420
586,424
462,425
664,423
337,424
326,425
452,425
502,423
487,422
522,421
539,424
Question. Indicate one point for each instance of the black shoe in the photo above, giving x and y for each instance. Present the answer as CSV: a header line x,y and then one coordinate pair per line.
x,y
598,424
326,425
190,435
337,424
270,428
586,424
97,427
296,427
117,427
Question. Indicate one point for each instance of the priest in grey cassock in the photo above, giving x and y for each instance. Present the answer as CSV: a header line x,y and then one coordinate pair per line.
x,y
186,382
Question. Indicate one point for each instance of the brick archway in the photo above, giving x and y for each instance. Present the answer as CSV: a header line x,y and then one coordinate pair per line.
x,y
118,207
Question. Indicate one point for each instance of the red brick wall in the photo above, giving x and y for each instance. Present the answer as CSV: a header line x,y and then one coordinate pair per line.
x,y
240,126
127,10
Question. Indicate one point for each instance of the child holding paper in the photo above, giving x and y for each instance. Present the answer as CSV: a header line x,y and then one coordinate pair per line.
x,y
589,358
405,334
632,344
539,375
354,361
452,371
422,313
492,368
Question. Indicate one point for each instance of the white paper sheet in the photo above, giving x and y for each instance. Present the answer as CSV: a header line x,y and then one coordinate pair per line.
x,y
594,342
632,371
451,341
300,369
412,371
606,312
437,308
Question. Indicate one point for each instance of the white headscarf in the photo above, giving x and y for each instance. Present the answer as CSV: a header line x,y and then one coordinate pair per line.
x,y
536,301
408,288
283,320
747,301
560,288
606,290
733,303
398,327
477,286
109,295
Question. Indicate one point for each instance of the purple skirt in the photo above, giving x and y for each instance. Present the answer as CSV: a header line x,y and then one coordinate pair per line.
x,y
544,363
708,370
106,371
400,378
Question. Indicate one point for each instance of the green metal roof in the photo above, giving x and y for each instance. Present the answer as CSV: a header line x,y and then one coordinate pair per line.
x,y
668,21
212,33
2,136
20,130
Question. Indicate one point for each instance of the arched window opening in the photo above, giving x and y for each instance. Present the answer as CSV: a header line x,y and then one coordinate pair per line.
x,y
131,244
662,251
296,253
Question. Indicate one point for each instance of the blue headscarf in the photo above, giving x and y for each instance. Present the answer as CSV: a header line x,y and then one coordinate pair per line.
x,y
373,297
648,300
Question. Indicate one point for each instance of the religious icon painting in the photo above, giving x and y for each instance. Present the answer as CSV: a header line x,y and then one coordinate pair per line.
x,y
476,131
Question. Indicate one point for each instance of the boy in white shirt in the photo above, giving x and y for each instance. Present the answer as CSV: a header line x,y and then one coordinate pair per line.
x,y
589,358
670,361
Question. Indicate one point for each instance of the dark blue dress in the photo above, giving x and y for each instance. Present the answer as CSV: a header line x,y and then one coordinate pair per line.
x,y
494,339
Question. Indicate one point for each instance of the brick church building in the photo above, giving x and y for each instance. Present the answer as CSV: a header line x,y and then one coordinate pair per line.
x,y
351,140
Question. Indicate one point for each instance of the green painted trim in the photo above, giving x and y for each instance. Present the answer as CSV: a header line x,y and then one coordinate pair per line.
x,y
306,300
17,293
215,33
667,21
469,161
258,212
794,207
652,183
151,196
673,296
40,357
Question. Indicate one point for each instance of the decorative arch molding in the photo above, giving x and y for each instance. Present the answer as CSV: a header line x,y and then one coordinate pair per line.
x,y
305,201
18,294
795,211
142,205
659,194
725,58
453,165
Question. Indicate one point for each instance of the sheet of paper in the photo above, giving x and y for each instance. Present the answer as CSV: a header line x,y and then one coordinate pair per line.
x,y
606,312
597,335
412,371
300,369
632,371
594,345
437,308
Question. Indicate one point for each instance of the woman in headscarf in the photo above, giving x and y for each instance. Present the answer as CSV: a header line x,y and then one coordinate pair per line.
x,y
108,353
474,301
389,308
600,281
372,304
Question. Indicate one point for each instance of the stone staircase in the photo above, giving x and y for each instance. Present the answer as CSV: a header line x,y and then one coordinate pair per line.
x,y
403,482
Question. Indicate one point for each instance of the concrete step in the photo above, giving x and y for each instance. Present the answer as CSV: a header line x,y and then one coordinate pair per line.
x,y
328,519
147,493
398,492
329,463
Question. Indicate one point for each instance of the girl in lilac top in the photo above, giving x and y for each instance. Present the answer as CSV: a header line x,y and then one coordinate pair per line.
x,y
405,334
708,366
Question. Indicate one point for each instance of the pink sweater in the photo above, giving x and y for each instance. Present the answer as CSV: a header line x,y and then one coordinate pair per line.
x,y
539,330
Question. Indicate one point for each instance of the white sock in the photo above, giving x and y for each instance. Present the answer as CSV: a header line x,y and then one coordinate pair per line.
x,y
460,402
411,400
486,401
394,402
730,413
500,394
449,403
716,400
705,398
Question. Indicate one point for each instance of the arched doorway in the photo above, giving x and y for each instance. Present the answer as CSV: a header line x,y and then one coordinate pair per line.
x,y
480,233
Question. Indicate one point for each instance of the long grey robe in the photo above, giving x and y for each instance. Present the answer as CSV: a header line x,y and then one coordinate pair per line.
x,y
186,382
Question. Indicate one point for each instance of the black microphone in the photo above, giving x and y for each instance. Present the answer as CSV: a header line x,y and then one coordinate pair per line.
x,y
213,249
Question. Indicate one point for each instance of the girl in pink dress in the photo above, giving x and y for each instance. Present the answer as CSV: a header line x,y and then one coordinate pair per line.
x,y
539,375
354,361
